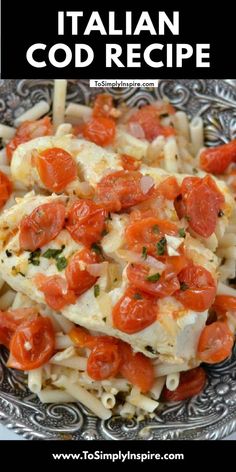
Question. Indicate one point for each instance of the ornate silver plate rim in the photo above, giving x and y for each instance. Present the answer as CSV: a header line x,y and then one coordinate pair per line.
x,y
210,415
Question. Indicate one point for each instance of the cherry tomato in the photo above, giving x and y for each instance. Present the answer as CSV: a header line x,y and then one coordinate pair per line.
x,y
138,275
10,320
86,222
41,226
81,337
32,345
216,160
27,131
55,290
78,130
56,168
104,360
136,368
174,265
122,189
169,188
78,278
225,303
215,342
191,383
202,200
5,189
100,131
129,162
135,311
149,117
148,232
198,288
103,105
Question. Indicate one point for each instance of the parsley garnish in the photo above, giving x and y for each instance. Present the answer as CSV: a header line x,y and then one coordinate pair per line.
x,y
96,248
104,232
150,349
8,253
164,115
34,257
96,290
137,296
161,246
183,286
53,253
153,278
220,213
187,217
156,229
61,263
144,253
182,233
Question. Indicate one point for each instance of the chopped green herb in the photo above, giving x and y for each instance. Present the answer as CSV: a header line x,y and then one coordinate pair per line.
x,y
161,246
34,257
153,278
220,213
115,280
183,286
156,229
182,233
53,253
176,157
96,290
109,218
164,115
8,253
104,319
137,296
187,217
61,263
21,273
144,253
195,171
104,232
96,248
150,349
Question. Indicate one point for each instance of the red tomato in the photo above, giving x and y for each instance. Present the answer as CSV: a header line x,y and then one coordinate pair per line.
x,y
149,117
136,368
56,168
216,160
86,221
103,105
191,383
134,311
215,342
104,360
100,131
122,189
202,200
225,303
27,131
78,278
32,345
5,189
174,265
147,233
129,162
10,320
198,288
138,276
55,290
169,188
42,225
81,337
78,130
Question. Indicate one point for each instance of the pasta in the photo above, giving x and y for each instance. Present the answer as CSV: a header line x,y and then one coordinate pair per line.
x,y
117,245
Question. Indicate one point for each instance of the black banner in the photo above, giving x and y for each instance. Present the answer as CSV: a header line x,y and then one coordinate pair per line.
x,y
177,41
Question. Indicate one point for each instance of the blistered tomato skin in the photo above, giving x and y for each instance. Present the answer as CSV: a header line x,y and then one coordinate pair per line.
x,y
56,168
215,343
136,368
216,160
6,188
100,130
197,288
191,383
86,222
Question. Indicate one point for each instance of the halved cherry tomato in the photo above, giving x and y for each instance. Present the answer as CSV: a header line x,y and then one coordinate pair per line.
x,y
10,320
122,189
225,302
5,189
56,168
32,345
169,188
41,226
86,222
215,343
202,201
216,160
129,162
55,290
100,131
198,288
104,360
174,265
149,117
103,105
134,311
81,337
191,383
136,368
148,232
27,131
138,276
78,278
